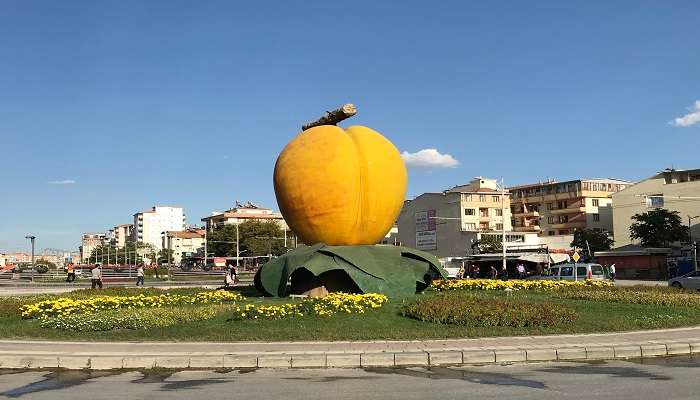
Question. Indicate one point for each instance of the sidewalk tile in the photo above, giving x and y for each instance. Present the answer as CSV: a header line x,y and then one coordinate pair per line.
x,y
628,351
342,360
139,362
377,359
172,362
674,349
653,350
411,358
308,360
102,363
510,356
74,362
478,356
600,353
240,361
274,361
541,355
571,353
206,361
445,357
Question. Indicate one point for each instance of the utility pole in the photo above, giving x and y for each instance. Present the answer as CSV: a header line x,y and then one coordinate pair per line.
x,y
503,223
32,238
206,228
238,253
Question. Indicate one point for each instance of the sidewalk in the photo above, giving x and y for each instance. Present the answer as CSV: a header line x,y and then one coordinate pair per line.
x,y
110,355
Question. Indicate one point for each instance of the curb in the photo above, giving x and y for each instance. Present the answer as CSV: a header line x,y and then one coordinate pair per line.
x,y
295,360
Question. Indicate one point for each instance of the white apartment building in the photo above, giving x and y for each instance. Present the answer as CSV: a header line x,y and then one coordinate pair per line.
x,y
121,233
241,213
150,225
184,243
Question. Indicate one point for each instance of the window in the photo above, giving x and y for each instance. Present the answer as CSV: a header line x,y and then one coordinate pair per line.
x,y
482,197
469,211
567,271
470,226
550,220
561,205
581,271
596,217
484,226
552,233
496,199
655,201
550,206
563,219
499,212
596,202
499,227
467,197
483,212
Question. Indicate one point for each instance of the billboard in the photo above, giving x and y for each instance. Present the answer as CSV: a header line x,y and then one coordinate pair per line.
x,y
426,235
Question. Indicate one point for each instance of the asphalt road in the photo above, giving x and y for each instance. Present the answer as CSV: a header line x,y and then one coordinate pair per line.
x,y
668,379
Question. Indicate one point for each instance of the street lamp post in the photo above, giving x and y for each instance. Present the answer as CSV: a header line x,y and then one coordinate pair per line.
x,y
32,239
693,245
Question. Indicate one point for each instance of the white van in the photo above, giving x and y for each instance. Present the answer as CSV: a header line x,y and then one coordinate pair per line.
x,y
575,272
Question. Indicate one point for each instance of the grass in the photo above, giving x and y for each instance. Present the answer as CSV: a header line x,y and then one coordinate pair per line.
x,y
384,323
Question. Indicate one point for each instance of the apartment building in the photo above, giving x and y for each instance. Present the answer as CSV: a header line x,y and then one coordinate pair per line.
x,y
183,243
149,225
559,208
672,189
446,223
121,233
241,213
88,242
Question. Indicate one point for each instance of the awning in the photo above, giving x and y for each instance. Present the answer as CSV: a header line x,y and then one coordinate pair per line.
x,y
554,258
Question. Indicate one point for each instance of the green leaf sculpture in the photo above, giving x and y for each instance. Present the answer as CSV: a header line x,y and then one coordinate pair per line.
x,y
395,271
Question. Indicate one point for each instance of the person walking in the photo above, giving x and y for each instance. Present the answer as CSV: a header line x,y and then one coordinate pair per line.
x,y
612,272
504,273
97,276
494,272
71,272
475,271
460,274
140,275
521,271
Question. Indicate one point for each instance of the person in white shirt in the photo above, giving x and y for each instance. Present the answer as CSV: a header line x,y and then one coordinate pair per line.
x,y
97,276
139,275
612,272
521,271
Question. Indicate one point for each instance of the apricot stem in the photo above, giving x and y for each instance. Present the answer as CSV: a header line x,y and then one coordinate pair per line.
x,y
333,117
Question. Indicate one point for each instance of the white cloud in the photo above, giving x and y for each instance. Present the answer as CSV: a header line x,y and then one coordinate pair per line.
x,y
63,182
692,118
429,158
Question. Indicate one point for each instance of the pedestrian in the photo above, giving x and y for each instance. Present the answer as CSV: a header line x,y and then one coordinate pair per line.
x,y
504,273
139,275
71,272
97,276
612,272
589,271
521,271
460,274
475,271
229,277
494,272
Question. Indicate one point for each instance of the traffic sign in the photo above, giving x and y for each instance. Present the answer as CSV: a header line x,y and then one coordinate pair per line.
x,y
576,257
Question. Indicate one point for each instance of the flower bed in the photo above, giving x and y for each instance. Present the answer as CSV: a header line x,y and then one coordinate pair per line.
x,y
131,319
514,284
332,304
634,295
64,306
473,311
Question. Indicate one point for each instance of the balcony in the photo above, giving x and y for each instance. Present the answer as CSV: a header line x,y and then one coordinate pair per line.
x,y
531,228
569,225
568,210
528,214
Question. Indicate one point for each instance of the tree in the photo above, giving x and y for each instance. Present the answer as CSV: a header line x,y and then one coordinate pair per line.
x,y
164,255
595,240
658,228
489,244
257,238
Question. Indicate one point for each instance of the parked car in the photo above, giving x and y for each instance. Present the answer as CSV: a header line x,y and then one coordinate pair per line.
x,y
572,272
691,280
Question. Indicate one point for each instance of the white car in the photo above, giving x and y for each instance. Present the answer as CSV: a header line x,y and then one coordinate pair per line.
x,y
691,280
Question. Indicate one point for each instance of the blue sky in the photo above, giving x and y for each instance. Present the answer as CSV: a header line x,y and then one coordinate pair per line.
x,y
189,103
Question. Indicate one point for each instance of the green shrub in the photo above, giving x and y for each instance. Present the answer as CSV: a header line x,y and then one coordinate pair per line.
x,y
132,319
660,296
474,311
